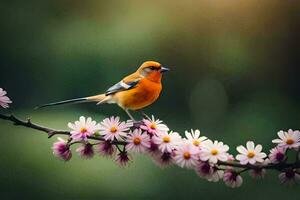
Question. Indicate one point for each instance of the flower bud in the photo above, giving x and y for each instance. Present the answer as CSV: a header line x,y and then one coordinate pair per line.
x,y
85,151
61,149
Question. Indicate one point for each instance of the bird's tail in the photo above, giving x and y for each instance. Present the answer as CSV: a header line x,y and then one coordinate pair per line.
x,y
102,98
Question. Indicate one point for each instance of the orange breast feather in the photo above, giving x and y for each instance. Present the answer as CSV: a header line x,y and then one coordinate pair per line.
x,y
144,94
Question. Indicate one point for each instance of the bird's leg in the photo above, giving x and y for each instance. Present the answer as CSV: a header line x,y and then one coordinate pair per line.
x,y
145,115
129,115
136,124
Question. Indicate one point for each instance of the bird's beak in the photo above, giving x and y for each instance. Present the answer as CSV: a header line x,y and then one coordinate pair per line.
x,y
164,69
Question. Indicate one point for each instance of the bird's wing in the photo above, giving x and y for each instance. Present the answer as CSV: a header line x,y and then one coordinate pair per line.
x,y
125,84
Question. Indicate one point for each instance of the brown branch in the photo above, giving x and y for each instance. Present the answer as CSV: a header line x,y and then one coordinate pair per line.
x,y
51,132
279,166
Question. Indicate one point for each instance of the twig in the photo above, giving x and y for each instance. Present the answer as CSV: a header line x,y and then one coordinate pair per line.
x,y
51,132
279,166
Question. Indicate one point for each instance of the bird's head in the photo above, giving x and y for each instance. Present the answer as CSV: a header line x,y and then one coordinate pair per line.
x,y
152,70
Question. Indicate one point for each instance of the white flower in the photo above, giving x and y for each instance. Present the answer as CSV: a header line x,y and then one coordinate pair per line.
x,y
186,155
213,151
137,141
154,126
112,128
290,139
251,154
167,142
83,128
4,100
194,137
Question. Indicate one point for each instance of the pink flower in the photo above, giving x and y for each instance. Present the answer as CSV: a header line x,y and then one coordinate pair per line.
x,y
258,173
122,159
277,155
85,151
167,142
4,100
230,157
106,148
137,141
83,128
163,160
186,155
289,177
154,127
204,169
216,175
232,179
61,149
266,162
112,128
207,171
290,139
251,154
153,149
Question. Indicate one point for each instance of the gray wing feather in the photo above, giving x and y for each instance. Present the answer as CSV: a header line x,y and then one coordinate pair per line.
x,y
121,86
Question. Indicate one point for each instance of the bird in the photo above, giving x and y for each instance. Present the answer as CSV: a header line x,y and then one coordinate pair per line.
x,y
134,92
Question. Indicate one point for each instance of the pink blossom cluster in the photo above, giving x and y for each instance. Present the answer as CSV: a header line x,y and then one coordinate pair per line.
x,y
210,159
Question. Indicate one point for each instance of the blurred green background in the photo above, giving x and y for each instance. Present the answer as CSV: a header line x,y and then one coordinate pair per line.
x,y
234,76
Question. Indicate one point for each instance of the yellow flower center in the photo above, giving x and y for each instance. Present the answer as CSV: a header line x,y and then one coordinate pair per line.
x,y
137,141
83,130
186,155
166,139
251,154
214,152
153,126
113,129
290,141
196,142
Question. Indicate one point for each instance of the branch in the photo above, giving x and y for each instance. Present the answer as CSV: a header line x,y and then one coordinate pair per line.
x,y
51,132
279,166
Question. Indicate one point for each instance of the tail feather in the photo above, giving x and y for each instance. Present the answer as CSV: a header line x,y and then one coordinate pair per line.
x,y
78,100
102,98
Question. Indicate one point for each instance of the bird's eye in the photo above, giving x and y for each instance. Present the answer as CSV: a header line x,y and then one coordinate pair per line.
x,y
155,68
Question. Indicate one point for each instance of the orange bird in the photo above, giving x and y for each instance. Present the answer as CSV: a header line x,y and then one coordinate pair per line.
x,y
134,92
